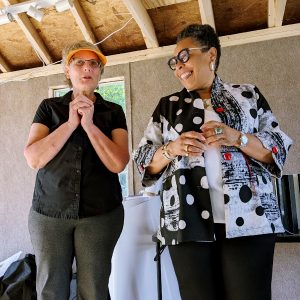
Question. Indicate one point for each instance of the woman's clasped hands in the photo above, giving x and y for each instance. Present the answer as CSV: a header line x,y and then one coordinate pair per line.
x,y
219,134
81,110
192,143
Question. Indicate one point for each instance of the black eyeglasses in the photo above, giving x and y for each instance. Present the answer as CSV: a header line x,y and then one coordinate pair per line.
x,y
93,63
182,56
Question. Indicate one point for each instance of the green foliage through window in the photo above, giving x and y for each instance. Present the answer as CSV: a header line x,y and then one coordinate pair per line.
x,y
114,92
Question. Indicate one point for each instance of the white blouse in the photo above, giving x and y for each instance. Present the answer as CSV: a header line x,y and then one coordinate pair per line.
x,y
214,172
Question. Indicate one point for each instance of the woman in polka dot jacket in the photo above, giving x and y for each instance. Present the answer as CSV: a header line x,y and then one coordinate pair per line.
x,y
216,145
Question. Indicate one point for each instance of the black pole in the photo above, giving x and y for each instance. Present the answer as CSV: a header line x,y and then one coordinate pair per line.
x,y
159,287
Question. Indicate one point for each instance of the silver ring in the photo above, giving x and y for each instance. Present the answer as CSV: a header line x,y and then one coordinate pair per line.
x,y
218,130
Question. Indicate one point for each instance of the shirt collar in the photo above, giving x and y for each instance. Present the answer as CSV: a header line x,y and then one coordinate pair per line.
x,y
217,88
66,99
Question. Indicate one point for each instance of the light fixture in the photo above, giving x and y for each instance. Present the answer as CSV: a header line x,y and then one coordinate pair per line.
x,y
63,5
32,8
6,18
35,13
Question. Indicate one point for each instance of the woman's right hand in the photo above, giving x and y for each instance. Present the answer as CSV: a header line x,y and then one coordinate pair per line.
x,y
79,102
190,143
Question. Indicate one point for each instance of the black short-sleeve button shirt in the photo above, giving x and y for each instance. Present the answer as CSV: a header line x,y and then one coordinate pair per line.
x,y
75,183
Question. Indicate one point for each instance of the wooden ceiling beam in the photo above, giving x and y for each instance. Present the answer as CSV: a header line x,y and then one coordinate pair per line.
x,y
276,9
31,34
144,21
117,59
4,65
207,13
82,22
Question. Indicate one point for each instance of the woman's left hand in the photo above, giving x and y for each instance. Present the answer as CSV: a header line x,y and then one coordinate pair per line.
x,y
219,134
86,112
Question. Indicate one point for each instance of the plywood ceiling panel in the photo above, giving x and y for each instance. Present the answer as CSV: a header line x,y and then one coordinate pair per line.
x,y
57,30
149,4
15,48
236,16
167,24
108,16
292,12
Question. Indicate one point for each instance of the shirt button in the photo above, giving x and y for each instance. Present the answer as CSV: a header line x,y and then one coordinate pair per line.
x,y
77,171
275,150
76,195
227,156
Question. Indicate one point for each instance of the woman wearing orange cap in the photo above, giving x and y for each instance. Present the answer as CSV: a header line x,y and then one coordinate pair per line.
x,y
79,144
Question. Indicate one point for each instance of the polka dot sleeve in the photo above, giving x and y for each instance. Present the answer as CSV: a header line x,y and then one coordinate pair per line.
x,y
271,136
151,141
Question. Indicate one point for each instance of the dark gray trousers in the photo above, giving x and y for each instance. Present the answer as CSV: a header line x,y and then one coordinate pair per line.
x,y
90,240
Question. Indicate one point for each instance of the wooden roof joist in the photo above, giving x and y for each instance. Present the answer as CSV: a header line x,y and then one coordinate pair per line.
x,y
207,13
276,10
82,22
3,65
143,20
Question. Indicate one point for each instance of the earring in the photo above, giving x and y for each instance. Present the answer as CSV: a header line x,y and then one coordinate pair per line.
x,y
212,66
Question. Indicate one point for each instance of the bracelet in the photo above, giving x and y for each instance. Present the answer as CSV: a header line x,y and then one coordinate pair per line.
x,y
166,153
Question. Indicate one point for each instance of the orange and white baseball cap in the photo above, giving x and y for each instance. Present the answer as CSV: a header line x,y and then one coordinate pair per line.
x,y
97,52
70,50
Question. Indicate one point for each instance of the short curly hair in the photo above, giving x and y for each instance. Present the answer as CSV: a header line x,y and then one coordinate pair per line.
x,y
205,35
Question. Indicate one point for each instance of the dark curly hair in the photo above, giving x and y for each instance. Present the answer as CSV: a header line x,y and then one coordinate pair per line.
x,y
205,35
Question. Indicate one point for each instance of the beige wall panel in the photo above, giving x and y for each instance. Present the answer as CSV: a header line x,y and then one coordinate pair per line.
x,y
286,272
18,102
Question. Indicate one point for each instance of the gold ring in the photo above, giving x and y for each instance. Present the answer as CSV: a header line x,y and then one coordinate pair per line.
x,y
187,148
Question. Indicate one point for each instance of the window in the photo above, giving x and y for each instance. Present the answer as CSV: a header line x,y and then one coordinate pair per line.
x,y
113,91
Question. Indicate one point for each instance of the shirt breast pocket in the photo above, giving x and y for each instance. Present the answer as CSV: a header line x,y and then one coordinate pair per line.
x,y
104,121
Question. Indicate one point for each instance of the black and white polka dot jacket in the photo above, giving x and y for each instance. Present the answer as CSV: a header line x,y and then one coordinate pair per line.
x,y
251,208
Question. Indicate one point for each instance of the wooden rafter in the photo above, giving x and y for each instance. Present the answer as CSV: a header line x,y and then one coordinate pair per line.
x,y
276,10
82,22
3,65
207,13
143,20
226,41
31,34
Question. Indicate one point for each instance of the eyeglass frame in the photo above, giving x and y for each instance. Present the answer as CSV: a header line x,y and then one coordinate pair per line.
x,y
177,57
99,63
